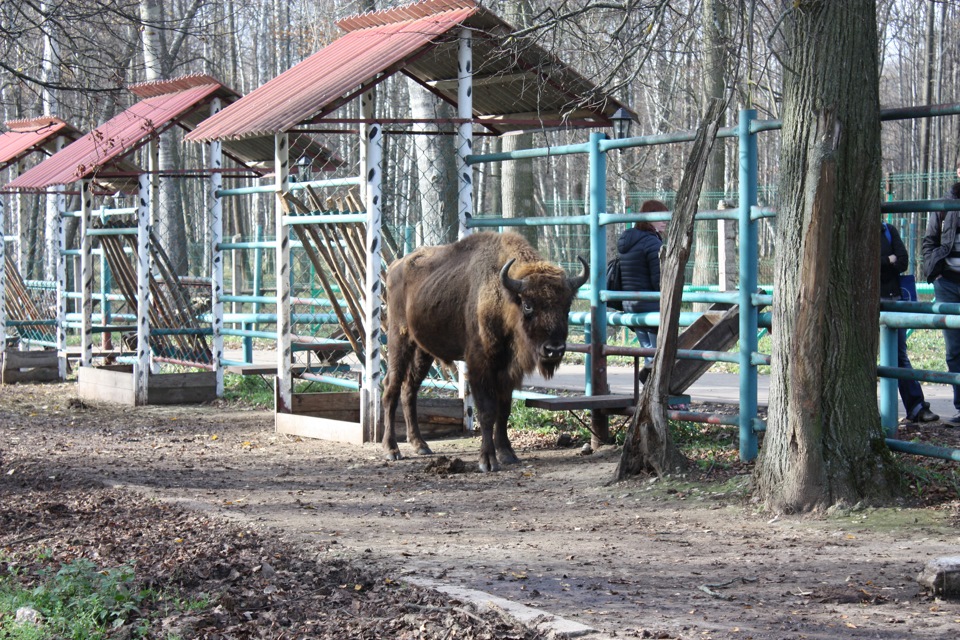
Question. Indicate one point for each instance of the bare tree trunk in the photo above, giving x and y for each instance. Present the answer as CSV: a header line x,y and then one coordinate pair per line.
x,y
436,167
929,65
824,444
648,446
517,182
516,176
706,247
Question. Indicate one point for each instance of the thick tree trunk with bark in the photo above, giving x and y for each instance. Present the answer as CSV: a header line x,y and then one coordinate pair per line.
x,y
824,444
648,447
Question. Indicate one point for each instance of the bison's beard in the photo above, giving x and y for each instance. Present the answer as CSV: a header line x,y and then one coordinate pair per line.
x,y
548,367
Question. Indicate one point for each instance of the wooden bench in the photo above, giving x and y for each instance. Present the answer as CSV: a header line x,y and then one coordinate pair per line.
x,y
610,403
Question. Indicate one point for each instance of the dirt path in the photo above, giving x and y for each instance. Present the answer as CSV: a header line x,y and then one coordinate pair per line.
x,y
640,559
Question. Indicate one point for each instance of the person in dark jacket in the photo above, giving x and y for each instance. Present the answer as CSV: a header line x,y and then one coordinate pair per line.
x,y
639,249
894,260
941,264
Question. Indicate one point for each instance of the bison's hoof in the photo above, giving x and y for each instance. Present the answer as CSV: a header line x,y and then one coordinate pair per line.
x,y
424,450
488,464
393,454
508,457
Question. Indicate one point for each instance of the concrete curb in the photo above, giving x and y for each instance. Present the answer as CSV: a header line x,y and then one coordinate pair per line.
x,y
544,622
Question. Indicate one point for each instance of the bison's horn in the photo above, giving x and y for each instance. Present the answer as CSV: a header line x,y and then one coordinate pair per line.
x,y
509,283
577,281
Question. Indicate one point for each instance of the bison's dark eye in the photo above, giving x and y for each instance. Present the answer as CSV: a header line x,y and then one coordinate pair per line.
x,y
527,307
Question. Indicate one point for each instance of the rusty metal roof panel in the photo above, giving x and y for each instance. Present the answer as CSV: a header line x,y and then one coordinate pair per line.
x,y
107,145
517,84
302,92
23,137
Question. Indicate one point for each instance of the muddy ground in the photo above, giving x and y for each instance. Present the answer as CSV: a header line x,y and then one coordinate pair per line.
x,y
299,538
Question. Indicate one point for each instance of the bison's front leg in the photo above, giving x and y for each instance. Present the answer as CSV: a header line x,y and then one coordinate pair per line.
x,y
500,439
486,416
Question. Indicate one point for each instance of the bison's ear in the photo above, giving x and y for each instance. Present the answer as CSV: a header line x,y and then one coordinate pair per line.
x,y
577,281
516,286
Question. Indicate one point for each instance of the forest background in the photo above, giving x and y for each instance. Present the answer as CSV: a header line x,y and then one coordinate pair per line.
x,y
662,58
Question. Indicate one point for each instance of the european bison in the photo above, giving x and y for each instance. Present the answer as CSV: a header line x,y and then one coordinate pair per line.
x,y
490,300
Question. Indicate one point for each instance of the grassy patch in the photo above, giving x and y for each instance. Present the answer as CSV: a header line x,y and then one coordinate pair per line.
x,y
77,600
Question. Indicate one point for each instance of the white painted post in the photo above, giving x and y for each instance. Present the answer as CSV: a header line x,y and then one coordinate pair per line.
x,y
3,281
370,388
465,181
216,254
366,114
141,370
20,222
60,259
154,219
86,275
284,388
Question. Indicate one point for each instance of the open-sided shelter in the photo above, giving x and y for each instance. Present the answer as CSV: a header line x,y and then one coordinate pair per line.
x,y
457,50
166,326
31,321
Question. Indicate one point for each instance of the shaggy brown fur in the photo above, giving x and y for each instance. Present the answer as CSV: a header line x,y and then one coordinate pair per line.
x,y
450,303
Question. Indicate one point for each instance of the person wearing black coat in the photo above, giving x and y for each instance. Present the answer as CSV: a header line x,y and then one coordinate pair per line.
x,y
894,260
639,249
941,265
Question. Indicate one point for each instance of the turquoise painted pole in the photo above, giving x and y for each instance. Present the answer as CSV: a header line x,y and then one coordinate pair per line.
x,y
888,386
596,383
748,284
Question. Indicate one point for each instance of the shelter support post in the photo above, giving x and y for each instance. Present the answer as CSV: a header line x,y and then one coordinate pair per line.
x,y
370,389
284,388
3,280
141,374
465,182
86,275
216,253
749,315
61,272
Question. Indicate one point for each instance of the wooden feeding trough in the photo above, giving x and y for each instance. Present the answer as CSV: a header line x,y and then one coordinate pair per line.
x,y
170,308
26,365
115,383
29,366
336,416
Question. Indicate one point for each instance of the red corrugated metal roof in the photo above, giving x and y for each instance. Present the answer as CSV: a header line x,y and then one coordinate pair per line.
x,y
303,91
517,84
114,139
25,136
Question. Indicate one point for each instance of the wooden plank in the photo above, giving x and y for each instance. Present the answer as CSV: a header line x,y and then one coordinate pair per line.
x,y
183,380
320,428
115,383
613,403
29,359
437,416
180,395
105,385
181,388
722,335
573,403
700,327
40,374
252,369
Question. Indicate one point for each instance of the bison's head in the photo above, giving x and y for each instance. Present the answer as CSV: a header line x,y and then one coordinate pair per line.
x,y
542,294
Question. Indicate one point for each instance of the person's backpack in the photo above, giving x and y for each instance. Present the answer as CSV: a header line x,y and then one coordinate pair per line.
x,y
614,282
908,283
